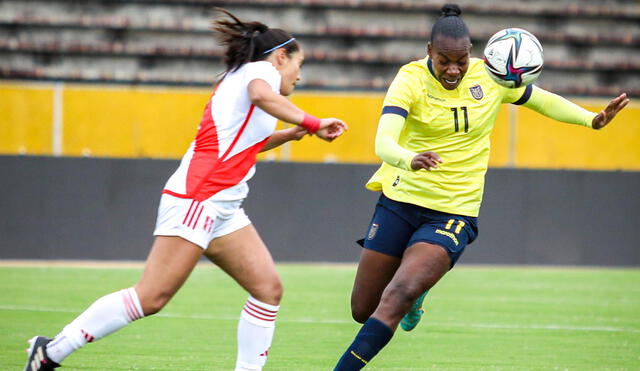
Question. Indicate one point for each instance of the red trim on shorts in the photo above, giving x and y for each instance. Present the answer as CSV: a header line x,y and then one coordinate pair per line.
x,y
186,216
194,213
198,218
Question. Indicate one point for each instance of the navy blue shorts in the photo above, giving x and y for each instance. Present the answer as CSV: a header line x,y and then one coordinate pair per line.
x,y
397,225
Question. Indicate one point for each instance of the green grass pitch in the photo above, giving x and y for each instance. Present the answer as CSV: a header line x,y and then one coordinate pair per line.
x,y
478,318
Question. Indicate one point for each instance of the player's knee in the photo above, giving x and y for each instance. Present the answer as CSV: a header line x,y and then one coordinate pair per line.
x,y
277,290
269,292
400,297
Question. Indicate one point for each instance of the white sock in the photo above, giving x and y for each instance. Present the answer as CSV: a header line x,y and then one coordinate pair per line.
x,y
106,315
255,332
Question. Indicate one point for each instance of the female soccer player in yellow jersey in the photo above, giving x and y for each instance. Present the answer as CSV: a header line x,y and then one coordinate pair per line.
x,y
433,137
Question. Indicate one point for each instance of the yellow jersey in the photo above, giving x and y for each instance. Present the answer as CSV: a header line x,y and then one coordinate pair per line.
x,y
455,124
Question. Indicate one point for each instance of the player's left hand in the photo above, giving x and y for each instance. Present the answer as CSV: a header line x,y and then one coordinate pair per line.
x,y
605,116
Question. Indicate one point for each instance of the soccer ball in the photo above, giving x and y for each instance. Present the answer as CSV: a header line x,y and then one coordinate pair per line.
x,y
513,57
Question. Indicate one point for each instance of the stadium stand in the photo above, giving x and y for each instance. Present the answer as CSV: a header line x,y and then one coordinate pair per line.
x,y
591,47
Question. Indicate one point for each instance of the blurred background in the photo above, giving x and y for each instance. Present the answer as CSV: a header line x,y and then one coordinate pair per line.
x,y
99,99
591,47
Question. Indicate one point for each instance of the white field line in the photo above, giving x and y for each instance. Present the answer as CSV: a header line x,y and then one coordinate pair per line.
x,y
497,326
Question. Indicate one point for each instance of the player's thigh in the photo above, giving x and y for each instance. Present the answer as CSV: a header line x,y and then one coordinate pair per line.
x,y
168,265
423,264
243,255
391,227
375,270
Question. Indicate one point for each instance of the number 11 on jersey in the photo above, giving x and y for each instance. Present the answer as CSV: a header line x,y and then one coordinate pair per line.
x,y
455,119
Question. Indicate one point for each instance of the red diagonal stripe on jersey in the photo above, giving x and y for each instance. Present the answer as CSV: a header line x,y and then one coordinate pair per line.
x,y
230,172
193,191
235,140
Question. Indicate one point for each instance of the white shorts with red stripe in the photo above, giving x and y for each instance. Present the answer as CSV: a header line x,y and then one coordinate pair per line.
x,y
199,222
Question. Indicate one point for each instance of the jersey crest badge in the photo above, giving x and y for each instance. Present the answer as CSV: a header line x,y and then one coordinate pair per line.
x,y
476,92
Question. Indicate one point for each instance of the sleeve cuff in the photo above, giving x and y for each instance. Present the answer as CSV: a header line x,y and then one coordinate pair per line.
x,y
525,96
395,110
407,161
589,120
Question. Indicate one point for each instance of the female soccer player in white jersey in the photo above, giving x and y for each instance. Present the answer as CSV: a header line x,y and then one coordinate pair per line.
x,y
433,138
200,209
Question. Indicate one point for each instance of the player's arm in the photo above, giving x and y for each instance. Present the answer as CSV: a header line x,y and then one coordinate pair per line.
x,y
561,109
261,94
390,151
280,137
402,94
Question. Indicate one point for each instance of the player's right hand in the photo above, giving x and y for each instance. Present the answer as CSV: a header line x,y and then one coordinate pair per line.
x,y
606,115
331,128
426,160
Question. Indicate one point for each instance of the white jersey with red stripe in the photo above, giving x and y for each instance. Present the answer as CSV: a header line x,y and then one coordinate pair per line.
x,y
222,157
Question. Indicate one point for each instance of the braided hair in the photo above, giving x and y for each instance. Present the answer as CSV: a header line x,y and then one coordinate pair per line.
x,y
249,41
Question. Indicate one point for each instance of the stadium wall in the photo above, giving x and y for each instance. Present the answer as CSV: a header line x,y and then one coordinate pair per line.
x,y
144,122
91,208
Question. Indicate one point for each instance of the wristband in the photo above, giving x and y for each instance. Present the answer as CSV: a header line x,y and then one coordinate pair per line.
x,y
310,123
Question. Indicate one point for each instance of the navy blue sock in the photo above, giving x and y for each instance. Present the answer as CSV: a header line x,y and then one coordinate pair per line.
x,y
373,336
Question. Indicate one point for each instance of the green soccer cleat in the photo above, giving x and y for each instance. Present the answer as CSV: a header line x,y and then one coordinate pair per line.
x,y
411,319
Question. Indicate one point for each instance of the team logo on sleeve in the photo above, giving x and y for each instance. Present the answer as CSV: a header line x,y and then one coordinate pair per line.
x,y
476,92
372,231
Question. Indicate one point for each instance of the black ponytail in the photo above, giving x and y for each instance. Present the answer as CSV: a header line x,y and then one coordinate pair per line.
x,y
450,24
249,41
